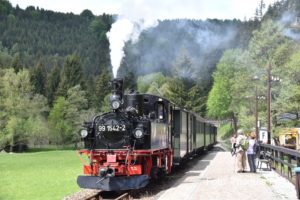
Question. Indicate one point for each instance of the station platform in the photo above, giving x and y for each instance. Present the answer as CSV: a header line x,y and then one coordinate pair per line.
x,y
214,177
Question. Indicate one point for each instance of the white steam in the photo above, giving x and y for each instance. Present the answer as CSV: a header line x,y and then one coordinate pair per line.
x,y
122,31
291,24
138,15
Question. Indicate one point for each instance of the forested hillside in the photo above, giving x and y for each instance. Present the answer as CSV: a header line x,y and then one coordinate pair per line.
x,y
54,70
55,67
37,35
187,51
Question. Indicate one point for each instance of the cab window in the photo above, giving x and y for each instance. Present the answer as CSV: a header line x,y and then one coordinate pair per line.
x,y
160,111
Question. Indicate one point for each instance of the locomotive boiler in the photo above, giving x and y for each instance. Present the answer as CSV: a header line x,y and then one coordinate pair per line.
x,y
141,138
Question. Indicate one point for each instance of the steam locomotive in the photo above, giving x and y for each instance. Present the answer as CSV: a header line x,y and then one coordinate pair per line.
x,y
142,137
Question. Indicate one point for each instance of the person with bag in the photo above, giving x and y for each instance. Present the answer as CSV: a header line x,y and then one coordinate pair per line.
x,y
242,144
251,151
233,144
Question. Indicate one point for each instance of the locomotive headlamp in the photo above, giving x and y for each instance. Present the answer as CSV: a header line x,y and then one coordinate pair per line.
x,y
138,133
83,133
115,104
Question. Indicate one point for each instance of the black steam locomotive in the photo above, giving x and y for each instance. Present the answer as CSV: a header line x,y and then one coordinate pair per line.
x,y
142,137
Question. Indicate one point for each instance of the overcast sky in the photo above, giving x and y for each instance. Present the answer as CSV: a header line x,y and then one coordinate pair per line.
x,y
159,9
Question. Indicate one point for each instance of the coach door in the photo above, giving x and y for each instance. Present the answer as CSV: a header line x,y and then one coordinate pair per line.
x,y
170,127
190,133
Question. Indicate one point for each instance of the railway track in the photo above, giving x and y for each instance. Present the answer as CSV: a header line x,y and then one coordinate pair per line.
x,y
88,194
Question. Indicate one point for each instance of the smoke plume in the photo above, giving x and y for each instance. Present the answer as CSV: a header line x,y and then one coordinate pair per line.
x,y
121,31
138,15
291,24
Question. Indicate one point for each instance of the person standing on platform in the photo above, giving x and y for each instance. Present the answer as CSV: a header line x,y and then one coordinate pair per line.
x,y
251,152
241,154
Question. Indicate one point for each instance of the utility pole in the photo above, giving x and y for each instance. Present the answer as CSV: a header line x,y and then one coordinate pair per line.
x,y
256,78
256,112
269,103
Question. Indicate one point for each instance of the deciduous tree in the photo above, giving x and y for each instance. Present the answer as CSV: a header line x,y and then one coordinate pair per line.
x,y
19,108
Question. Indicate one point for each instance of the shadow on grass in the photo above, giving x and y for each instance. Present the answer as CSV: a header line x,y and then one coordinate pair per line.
x,y
52,148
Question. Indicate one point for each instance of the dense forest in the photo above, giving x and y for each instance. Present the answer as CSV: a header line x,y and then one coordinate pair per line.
x,y
55,67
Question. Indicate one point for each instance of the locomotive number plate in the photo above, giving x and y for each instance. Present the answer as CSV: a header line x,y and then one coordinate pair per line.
x,y
111,128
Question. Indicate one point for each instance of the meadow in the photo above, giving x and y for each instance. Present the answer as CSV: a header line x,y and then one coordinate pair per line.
x,y
39,175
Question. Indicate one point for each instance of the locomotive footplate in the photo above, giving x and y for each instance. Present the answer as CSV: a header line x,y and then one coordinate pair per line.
x,y
113,183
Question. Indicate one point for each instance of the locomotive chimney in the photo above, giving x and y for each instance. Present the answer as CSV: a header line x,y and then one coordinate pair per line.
x,y
116,99
117,87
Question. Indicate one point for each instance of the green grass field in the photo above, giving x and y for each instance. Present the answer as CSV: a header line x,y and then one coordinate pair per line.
x,y
41,175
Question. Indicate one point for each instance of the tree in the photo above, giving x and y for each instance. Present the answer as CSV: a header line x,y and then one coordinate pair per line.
x,y
52,84
264,43
170,88
262,6
61,128
16,63
87,14
176,92
100,27
71,75
289,96
102,89
269,49
38,78
183,68
65,116
220,100
19,108
197,100
5,57
5,8
130,81
144,82
259,11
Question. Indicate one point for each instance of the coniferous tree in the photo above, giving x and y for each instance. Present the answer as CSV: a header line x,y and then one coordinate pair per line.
x,y
87,14
102,88
38,78
71,75
16,63
53,80
176,92
130,81
5,8
196,100
261,7
183,69
90,90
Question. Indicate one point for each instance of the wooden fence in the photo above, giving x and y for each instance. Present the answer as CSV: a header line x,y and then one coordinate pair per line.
x,y
283,160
